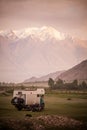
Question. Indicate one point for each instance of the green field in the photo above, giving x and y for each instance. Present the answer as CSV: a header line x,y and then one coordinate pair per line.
x,y
72,105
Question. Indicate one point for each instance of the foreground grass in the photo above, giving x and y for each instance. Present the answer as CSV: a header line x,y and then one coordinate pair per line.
x,y
59,108
71,105
75,107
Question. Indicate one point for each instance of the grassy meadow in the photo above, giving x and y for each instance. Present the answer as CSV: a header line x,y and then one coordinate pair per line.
x,y
72,105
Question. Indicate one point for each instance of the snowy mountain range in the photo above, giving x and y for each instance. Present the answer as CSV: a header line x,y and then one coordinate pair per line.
x,y
41,33
37,51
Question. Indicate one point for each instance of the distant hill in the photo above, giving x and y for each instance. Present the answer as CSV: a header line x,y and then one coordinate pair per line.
x,y
78,72
44,78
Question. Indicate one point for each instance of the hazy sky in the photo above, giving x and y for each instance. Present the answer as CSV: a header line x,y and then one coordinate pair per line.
x,y
68,16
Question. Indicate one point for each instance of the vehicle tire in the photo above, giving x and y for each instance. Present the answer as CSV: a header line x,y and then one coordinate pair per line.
x,y
19,108
14,100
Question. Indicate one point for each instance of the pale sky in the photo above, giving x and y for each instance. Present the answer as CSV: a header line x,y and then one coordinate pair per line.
x,y
68,16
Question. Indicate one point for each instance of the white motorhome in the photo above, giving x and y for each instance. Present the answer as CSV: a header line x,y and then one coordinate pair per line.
x,y
25,98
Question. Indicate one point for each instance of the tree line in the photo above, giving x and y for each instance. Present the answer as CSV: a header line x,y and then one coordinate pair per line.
x,y
60,84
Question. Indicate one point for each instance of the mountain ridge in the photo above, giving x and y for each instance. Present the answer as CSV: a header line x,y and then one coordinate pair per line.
x,y
41,33
44,78
78,72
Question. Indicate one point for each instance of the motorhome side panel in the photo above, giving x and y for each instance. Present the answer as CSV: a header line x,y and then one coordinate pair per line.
x,y
32,99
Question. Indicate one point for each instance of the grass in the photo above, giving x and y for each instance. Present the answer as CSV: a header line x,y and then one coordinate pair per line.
x,y
76,107
57,104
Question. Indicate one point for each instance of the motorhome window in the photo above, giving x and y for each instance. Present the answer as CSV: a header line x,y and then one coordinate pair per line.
x,y
19,93
38,95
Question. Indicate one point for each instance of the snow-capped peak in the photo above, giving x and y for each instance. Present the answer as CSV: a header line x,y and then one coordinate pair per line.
x,y
42,33
10,34
52,32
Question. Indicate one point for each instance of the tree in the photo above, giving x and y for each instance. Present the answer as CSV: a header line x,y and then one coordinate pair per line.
x,y
51,83
59,83
84,85
75,84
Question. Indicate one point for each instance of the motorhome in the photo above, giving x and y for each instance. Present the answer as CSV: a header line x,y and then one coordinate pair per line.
x,y
31,100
